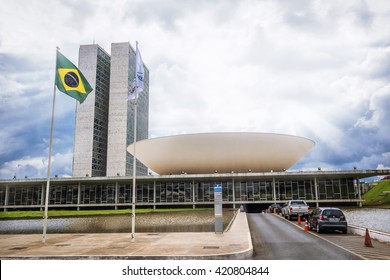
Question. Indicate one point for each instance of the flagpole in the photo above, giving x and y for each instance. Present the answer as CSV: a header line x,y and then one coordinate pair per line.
x,y
134,158
134,173
45,216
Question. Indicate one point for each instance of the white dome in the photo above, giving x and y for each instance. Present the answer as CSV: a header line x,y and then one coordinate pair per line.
x,y
223,152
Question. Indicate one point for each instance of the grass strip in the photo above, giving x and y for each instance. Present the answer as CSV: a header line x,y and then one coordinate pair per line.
x,y
75,213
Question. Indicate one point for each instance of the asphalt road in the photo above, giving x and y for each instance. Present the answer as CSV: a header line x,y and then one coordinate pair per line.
x,y
274,238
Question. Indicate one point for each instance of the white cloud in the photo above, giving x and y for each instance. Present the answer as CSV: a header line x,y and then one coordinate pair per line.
x,y
37,166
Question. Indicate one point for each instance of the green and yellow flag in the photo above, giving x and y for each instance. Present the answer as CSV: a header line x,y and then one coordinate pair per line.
x,y
70,80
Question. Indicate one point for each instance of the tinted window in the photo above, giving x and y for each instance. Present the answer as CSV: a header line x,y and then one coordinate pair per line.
x,y
331,212
297,202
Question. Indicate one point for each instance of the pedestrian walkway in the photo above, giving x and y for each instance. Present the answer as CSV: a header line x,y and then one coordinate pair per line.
x,y
355,243
235,243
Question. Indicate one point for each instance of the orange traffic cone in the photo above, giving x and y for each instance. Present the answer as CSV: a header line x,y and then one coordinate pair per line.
x,y
307,225
299,220
367,239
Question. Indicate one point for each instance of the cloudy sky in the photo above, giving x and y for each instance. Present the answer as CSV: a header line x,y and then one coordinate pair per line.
x,y
317,69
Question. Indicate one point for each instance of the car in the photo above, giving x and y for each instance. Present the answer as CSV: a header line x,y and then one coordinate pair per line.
x,y
274,206
295,208
328,218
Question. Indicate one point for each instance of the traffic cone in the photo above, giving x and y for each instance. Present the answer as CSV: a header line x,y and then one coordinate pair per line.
x,y
299,220
367,239
307,225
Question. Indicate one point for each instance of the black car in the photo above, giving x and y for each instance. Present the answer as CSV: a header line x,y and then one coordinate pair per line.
x,y
274,206
328,218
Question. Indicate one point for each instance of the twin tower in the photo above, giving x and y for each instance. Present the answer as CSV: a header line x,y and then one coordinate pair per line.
x,y
105,120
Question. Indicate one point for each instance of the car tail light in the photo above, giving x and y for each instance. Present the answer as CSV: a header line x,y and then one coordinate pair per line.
x,y
290,209
342,218
322,217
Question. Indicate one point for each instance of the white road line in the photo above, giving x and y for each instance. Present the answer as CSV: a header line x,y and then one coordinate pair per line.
x,y
358,255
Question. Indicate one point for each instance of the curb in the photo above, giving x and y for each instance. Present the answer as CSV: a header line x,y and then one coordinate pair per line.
x,y
374,234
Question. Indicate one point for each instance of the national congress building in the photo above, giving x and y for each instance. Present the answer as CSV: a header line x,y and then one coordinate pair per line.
x,y
253,168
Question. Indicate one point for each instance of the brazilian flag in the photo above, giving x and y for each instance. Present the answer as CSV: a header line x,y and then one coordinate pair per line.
x,y
70,80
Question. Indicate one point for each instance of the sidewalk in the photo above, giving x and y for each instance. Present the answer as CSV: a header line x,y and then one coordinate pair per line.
x,y
234,244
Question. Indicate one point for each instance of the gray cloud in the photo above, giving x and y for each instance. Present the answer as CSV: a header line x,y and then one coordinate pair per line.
x,y
169,13
311,68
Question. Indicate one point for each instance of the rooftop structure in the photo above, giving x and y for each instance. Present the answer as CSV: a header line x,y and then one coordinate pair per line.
x,y
227,152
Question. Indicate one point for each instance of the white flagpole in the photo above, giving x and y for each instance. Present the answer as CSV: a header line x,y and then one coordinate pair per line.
x,y
45,216
134,173
134,158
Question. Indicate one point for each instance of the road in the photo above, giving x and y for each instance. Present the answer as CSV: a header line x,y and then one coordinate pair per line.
x,y
274,238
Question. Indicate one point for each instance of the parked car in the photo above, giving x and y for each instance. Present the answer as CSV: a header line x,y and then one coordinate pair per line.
x,y
274,206
295,208
328,218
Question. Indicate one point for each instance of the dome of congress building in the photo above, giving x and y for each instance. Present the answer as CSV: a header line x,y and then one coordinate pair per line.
x,y
223,152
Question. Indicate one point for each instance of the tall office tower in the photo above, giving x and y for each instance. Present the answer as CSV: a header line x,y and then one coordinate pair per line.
x,y
90,140
121,112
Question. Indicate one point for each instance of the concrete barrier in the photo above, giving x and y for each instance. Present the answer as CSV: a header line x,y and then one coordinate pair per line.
x,y
374,234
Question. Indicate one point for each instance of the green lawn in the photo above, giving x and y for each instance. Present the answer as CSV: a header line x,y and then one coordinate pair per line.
x,y
378,195
73,213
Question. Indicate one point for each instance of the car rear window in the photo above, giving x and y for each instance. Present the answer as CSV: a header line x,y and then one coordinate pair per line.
x,y
297,202
332,212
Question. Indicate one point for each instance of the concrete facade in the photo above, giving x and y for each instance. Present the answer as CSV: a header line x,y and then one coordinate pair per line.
x,y
121,112
316,187
90,140
104,121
